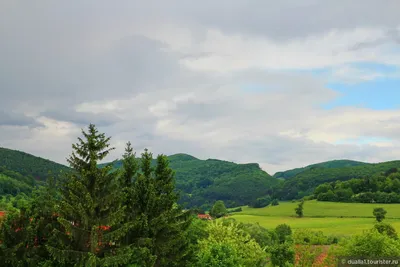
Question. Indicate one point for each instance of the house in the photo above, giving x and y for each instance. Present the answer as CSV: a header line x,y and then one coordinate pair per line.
x,y
204,216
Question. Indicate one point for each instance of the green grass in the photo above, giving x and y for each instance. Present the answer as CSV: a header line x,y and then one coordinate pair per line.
x,y
328,217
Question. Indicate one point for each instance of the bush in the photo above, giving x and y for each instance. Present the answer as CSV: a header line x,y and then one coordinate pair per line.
x,y
261,235
218,210
328,196
282,254
261,202
229,246
274,202
283,232
309,237
370,243
386,229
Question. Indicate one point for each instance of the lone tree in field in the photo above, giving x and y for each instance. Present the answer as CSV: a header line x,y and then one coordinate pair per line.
x,y
299,209
218,210
379,214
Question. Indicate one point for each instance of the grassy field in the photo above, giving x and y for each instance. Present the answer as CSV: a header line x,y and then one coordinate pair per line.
x,y
329,217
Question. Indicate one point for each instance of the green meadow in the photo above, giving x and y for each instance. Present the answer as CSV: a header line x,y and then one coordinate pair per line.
x,y
332,218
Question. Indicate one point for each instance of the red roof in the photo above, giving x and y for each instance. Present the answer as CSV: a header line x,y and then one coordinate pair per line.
x,y
204,216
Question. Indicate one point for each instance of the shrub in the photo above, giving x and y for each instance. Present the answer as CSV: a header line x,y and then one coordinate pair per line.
x,y
261,202
274,202
283,232
371,243
229,246
387,229
282,254
218,210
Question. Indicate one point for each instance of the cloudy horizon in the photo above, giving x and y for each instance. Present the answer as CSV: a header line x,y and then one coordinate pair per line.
x,y
281,83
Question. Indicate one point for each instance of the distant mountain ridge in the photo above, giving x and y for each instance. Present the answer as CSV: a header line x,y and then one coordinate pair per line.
x,y
327,164
202,182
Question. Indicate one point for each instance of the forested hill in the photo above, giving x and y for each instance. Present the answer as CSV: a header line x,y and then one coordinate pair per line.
x,y
328,164
304,183
28,165
202,182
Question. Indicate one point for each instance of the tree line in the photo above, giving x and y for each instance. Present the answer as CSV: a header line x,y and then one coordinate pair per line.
x,y
304,183
380,188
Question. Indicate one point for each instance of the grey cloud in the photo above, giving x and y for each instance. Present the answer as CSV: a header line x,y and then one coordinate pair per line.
x,y
81,118
17,119
195,56
392,36
287,19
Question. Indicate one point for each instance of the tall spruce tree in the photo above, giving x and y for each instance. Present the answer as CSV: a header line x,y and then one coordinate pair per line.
x,y
171,245
161,224
90,209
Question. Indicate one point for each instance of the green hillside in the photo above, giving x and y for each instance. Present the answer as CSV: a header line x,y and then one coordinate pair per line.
x,y
12,186
328,164
28,165
202,182
304,183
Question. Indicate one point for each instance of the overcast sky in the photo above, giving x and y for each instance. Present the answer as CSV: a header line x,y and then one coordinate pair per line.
x,y
282,83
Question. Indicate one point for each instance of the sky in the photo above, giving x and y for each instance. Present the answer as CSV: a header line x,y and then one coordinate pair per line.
x,y
281,83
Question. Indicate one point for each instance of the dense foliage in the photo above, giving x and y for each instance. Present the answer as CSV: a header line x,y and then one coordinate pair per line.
x,y
379,188
328,164
11,186
202,182
304,183
261,202
372,244
230,246
21,172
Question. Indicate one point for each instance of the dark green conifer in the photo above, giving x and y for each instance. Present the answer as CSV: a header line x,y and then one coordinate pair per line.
x,y
161,225
90,208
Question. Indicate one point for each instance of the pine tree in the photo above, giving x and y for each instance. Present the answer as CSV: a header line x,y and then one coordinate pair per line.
x,y
130,166
172,246
161,224
90,208
139,242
